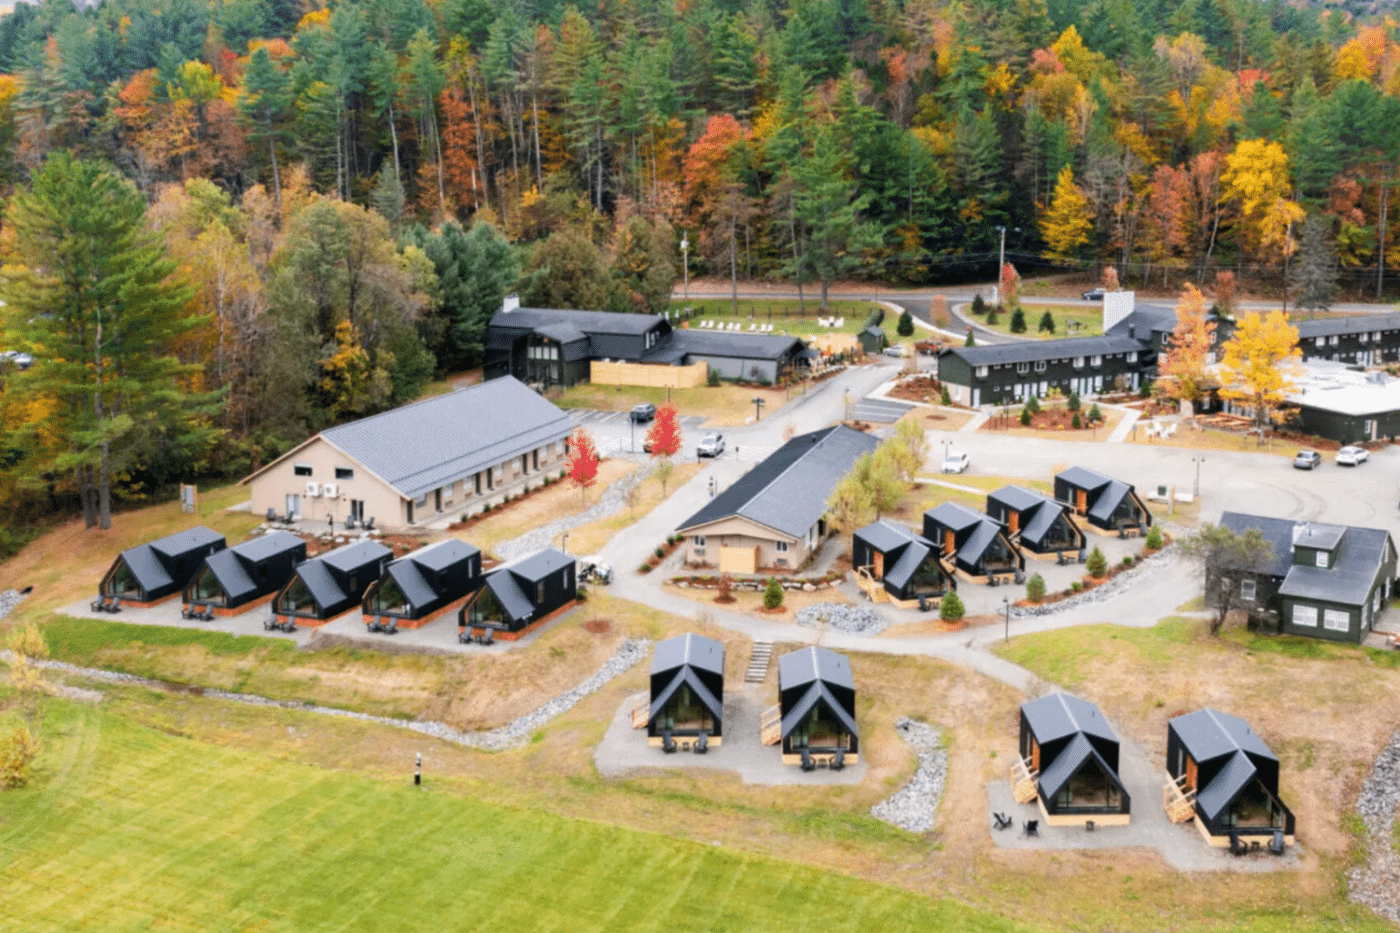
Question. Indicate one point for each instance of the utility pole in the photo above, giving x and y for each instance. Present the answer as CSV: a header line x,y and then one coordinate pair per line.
x,y
1001,261
685,262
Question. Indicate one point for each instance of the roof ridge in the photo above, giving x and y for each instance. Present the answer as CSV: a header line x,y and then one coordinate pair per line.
x,y
795,461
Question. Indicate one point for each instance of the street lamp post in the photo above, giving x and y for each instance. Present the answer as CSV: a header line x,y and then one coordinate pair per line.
x,y
1001,261
1006,607
757,408
564,543
1198,461
685,262
631,434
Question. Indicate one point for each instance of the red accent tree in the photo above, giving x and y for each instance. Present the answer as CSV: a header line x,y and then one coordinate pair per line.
x,y
664,435
582,461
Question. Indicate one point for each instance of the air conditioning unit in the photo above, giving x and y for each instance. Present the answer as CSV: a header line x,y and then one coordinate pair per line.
x,y
313,489
330,490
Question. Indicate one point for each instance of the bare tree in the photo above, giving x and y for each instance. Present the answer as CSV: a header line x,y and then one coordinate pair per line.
x,y
1227,560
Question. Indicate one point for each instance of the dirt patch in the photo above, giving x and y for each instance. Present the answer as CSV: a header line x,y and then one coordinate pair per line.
x,y
918,389
597,626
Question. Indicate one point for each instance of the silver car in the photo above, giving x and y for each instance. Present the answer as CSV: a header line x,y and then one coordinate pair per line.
x,y
712,445
1352,456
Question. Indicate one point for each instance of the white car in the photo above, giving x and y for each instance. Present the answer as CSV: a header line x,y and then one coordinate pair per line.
x,y
1351,456
955,462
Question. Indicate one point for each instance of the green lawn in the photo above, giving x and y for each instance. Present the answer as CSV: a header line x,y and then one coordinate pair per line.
x,y
784,316
1089,318
127,828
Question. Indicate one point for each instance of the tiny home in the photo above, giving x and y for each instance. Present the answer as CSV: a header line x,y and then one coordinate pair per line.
x,y
977,545
520,595
331,584
1109,504
817,706
1035,522
239,578
151,572
906,564
687,691
1070,753
1228,775
872,340
422,586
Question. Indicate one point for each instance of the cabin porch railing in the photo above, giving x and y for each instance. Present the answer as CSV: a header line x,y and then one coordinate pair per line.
x,y
872,588
1023,779
640,714
1179,803
770,726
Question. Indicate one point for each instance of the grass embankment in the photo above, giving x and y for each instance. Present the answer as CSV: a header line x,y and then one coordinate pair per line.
x,y
1089,318
590,538
130,829
560,500
721,406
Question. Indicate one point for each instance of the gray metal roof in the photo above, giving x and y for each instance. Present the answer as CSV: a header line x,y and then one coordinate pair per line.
x,y
813,663
1026,351
562,332
1084,478
425,445
183,542
1067,764
955,515
1058,715
817,693
686,675
738,344
442,555
1018,498
229,571
1208,734
1350,324
899,575
688,650
1146,319
787,492
1356,559
1041,521
509,595
539,565
1109,500
320,583
269,545
1316,535
885,536
1226,785
589,322
146,567
351,557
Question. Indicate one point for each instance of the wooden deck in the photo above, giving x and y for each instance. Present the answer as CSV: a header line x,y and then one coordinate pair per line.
x,y
1179,804
640,714
872,588
770,726
1023,779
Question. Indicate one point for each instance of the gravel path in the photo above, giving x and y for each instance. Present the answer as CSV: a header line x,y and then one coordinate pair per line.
x,y
1115,587
852,620
915,805
1377,883
9,600
512,735
610,502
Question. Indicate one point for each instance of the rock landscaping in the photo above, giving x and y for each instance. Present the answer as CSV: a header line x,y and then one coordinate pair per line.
x,y
711,582
9,600
1377,883
851,620
914,806
513,734
1120,581
612,501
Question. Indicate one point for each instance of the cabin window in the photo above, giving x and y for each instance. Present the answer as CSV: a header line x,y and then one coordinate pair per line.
x,y
344,473
301,469
1089,788
297,599
206,589
1131,356
699,542
1305,616
1079,362
486,608
1332,340
1362,336
782,547
1096,360
1040,366
447,492
1322,559
421,502
389,598
477,482
1336,620
981,372
1247,590
1022,368
539,594
1321,341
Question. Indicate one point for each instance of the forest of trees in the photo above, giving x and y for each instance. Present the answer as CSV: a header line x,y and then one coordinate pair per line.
x,y
339,196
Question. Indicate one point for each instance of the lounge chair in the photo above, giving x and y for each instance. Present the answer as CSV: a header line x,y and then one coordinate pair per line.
x,y
702,744
1031,828
839,761
272,515
369,523
1002,821
668,744
1236,846
807,763
1276,844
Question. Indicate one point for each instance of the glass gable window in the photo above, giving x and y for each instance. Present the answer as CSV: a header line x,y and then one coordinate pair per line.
x,y
685,712
297,599
390,598
206,589
122,582
819,729
1088,789
487,608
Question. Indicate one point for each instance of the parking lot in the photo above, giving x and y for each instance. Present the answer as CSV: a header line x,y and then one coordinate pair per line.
x,y
615,435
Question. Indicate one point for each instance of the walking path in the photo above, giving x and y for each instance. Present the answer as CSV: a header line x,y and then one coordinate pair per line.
x,y
610,502
976,421
1120,433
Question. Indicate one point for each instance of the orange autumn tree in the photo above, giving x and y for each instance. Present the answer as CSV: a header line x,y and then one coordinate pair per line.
x,y
1183,365
1258,363
582,462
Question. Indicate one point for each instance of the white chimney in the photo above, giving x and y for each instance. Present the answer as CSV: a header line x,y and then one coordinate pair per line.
x,y
511,303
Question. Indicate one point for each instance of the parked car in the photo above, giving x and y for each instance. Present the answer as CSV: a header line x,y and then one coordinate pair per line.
x,y
956,462
1307,460
593,570
1351,456
711,445
643,413
1094,294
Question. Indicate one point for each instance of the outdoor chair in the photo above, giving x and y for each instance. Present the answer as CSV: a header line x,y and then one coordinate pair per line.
x,y
1237,847
1276,844
838,762
391,629
369,523
272,515
807,763
464,637
1031,828
291,516
1002,821
702,743
668,744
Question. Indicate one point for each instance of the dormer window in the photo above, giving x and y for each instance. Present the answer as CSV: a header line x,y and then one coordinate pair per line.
x,y
1324,559
981,372
1023,368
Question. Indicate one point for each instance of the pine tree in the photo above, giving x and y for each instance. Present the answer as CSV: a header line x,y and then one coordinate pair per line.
x,y
98,304
1018,321
970,341
387,198
263,103
905,327
1047,323
1314,275
1068,220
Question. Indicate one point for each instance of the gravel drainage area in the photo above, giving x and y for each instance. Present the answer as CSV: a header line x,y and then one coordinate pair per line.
x,y
1377,882
915,805
841,617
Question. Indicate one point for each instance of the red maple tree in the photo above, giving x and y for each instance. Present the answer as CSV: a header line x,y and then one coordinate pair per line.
x,y
664,435
582,461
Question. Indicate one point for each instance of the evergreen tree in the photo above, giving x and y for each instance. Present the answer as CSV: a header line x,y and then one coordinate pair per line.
x,y
1314,273
1018,321
970,341
905,328
1047,323
98,304
476,269
263,103
387,197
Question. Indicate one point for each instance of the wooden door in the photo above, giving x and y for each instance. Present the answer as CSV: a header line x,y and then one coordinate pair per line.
x,y
878,563
1190,773
1035,755
1013,521
1081,500
948,544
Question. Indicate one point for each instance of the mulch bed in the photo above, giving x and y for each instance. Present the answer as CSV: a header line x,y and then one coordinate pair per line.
x,y
1047,419
1090,583
597,626
918,389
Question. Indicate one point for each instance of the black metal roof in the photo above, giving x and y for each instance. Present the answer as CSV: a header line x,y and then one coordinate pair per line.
x,y
885,536
1146,319
788,490
1059,715
1357,557
1109,500
1084,478
688,650
357,554
588,322
267,545
1067,764
1226,785
232,575
509,595
817,693
955,515
809,664
908,564
1349,324
1208,734
740,344
184,542
1018,498
443,554
1026,351
686,676
539,565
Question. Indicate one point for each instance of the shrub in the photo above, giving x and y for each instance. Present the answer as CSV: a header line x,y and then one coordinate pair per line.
x,y
950,607
1073,403
978,305
547,481
712,377
466,516
17,751
906,324
646,567
945,398
1075,422
1127,560
1047,323
772,594
1154,539
1025,417
1145,390
1033,404
486,507
1075,586
1097,565
1035,588
1018,321
1094,414
970,341
992,314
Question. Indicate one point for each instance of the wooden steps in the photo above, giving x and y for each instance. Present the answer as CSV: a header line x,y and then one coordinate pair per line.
x,y
770,726
872,588
1022,779
640,714
1180,805
759,656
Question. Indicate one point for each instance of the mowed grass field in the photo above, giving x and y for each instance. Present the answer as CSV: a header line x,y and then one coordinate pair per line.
x,y
129,828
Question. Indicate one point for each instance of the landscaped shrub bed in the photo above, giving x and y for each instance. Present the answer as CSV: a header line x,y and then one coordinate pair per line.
x,y
1088,582
710,581
488,509
661,552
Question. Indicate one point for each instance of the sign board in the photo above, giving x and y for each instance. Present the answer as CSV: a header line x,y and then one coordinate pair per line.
x,y
187,494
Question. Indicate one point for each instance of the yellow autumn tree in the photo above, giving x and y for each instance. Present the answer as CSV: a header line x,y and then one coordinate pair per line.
x,y
1255,182
1183,365
1066,223
1258,364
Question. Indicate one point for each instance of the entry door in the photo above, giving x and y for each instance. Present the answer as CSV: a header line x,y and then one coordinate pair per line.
x,y
437,499
357,510
294,504
976,397
879,565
